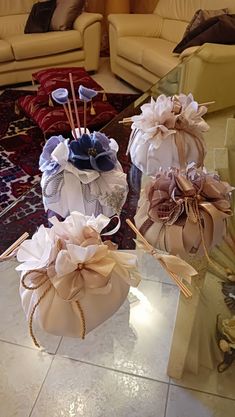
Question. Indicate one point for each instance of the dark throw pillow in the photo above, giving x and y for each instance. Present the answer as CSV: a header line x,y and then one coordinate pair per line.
x,y
201,16
218,29
40,17
65,13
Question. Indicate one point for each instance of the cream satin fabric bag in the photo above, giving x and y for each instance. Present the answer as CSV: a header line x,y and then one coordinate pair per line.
x,y
70,280
168,133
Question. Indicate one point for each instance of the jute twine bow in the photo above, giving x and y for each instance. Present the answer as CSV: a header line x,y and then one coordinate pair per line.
x,y
45,292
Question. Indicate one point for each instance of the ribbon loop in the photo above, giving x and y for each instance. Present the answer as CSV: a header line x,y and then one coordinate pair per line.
x,y
194,201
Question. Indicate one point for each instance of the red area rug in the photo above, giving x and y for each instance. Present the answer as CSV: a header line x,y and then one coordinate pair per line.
x,y
21,143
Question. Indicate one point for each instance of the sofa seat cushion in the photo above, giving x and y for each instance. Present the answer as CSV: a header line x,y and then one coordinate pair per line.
x,y
43,44
154,54
158,57
132,47
6,53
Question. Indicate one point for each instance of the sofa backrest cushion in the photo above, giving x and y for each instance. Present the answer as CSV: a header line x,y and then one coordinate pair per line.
x,y
12,7
178,13
12,26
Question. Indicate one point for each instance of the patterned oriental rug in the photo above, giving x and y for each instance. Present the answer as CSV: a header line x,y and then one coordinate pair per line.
x,y
21,142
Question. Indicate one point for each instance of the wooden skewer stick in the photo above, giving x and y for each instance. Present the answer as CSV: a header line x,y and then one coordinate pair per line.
x,y
126,120
84,116
187,293
71,118
75,104
208,103
67,115
14,245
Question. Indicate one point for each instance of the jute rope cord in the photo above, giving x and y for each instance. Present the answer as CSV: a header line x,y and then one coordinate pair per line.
x,y
32,288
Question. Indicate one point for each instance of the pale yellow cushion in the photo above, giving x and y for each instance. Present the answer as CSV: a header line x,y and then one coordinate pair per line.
x,y
5,51
158,59
12,25
131,48
184,9
43,44
9,7
173,30
154,54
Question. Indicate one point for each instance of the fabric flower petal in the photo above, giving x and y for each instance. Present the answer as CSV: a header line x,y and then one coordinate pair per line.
x,y
60,95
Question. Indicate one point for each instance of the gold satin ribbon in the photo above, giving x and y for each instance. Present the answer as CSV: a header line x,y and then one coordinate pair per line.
x,y
203,201
182,126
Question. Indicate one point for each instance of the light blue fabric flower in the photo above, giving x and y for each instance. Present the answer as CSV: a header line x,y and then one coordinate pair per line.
x,y
60,95
46,163
86,94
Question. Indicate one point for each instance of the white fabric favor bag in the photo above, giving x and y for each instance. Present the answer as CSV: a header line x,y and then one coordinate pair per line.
x,y
168,133
67,188
70,280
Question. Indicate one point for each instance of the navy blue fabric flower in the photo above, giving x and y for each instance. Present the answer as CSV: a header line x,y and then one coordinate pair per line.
x,y
92,152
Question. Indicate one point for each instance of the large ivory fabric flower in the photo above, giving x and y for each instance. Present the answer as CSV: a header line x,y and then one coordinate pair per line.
x,y
77,227
39,252
156,121
161,118
191,114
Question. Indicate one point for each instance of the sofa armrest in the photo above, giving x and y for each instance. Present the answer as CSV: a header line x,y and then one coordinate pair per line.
x,y
136,24
211,52
86,19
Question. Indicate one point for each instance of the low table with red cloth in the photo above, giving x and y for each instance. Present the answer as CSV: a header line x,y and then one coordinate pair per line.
x,y
50,116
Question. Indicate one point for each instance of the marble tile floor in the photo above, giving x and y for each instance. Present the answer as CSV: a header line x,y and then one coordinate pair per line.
x,y
120,368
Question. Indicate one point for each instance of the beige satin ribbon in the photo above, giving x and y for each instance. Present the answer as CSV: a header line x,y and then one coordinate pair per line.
x,y
204,223
94,274
182,126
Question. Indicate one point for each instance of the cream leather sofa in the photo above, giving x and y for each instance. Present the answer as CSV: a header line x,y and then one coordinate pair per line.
x,y
21,54
141,51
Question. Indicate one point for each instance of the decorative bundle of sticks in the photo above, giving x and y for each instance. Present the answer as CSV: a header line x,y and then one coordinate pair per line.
x,y
149,248
12,249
